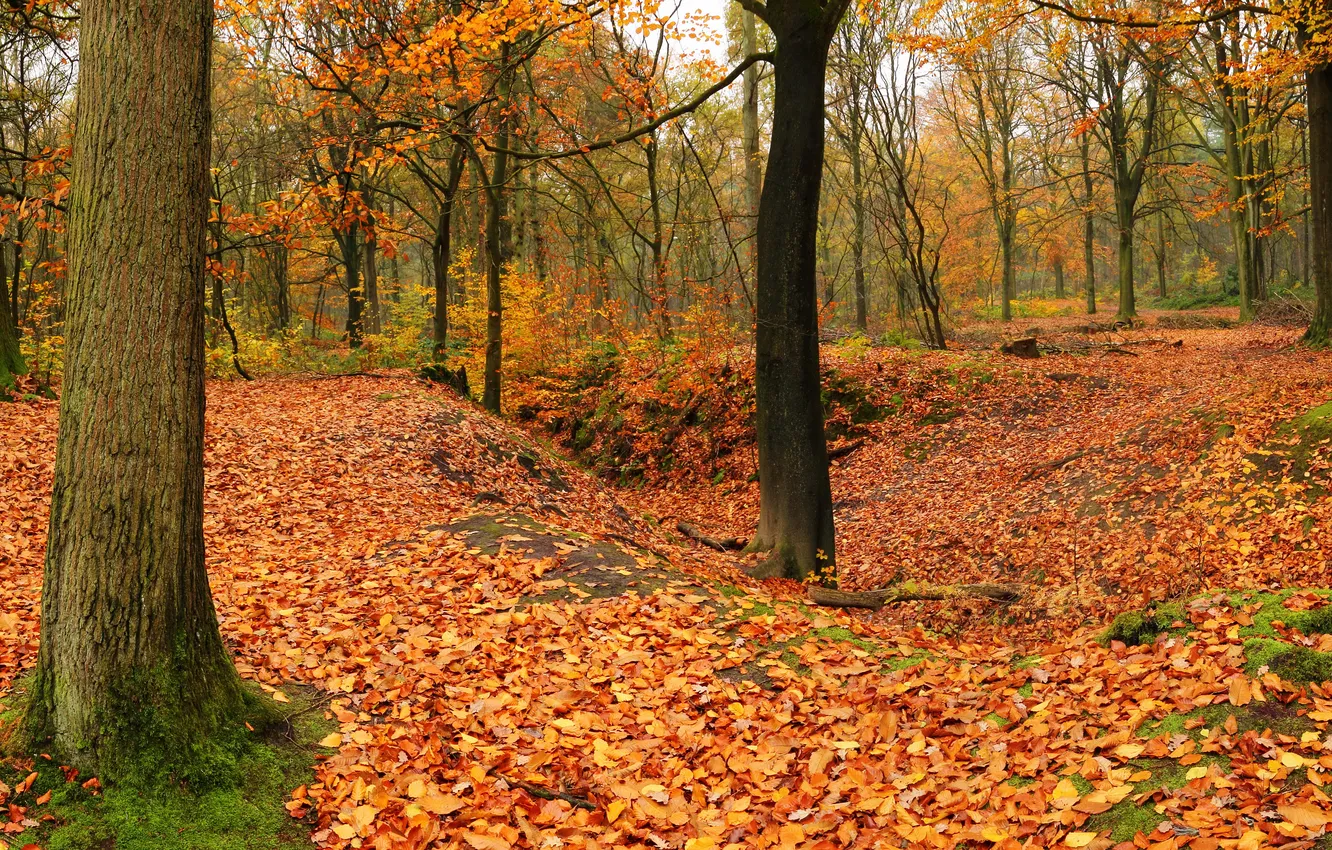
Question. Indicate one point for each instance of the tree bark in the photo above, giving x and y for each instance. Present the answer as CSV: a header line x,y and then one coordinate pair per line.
x,y
795,499
11,357
441,254
1319,82
750,131
496,244
132,678
1088,228
351,261
1127,308
1058,268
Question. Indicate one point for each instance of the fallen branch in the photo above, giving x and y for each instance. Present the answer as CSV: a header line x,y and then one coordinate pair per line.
x,y
725,544
844,449
547,794
911,591
1060,463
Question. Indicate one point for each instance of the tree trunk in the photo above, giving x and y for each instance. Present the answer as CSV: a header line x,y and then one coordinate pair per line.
x,y
132,678
1088,228
496,243
750,130
351,262
1008,283
1319,81
370,275
1058,268
11,357
441,254
1160,255
795,512
858,210
1127,308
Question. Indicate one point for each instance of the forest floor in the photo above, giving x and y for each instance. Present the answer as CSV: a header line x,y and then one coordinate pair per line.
x,y
511,652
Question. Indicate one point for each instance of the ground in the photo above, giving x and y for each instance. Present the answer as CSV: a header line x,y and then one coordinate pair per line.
x,y
514,653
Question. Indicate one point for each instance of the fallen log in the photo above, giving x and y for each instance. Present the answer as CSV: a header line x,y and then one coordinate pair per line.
x,y
910,591
1025,347
723,544
844,449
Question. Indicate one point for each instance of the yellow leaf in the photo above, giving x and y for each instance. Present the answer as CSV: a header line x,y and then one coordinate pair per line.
x,y
1079,839
615,809
1196,772
994,834
485,842
441,804
1240,692
791,835
1129,751
1252,840
345,831
278,696
1292,760
332,739
416,790
704,843
1305,814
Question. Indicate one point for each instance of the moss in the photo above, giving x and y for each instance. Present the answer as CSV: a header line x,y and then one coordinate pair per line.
x,y
1126,818
247,814
1258,717
1026,690
1134,628
1296,664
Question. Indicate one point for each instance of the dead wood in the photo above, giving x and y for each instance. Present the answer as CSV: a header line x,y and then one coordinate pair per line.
x,y
844,449
1025,347
911,591
723,544
1060,463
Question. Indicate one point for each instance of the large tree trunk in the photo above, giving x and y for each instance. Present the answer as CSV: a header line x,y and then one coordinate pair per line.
x,y
795,512
132,679
441,254
497,241
1320,200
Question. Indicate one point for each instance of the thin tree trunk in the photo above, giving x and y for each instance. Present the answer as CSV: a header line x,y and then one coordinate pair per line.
x,y
750,130
1088,229
497,241
795,511
1160,254
350,243
132,677
1058,268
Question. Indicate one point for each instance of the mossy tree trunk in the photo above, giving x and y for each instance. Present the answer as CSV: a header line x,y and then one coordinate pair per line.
x,y
132,677
795,499
11,358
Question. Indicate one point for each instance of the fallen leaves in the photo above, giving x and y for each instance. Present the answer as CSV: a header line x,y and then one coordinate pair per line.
x,y
676,714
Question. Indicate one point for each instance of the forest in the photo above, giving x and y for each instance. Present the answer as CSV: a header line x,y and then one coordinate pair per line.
x,y
777,424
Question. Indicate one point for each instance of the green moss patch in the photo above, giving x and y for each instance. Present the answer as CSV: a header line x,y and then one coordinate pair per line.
x,y
1127,818
1135,628
1296,664
247,815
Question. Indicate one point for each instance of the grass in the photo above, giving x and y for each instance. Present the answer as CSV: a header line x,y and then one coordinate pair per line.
x,y
250,816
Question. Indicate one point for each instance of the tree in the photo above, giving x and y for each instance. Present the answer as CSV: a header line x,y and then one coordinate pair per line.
x,y
795,497
132,675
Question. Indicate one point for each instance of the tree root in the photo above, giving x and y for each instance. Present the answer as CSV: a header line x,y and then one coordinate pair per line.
x,y
1060,463
911,592
724,544
844,449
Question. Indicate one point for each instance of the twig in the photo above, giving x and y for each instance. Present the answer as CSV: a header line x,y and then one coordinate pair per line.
x,y
547,794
